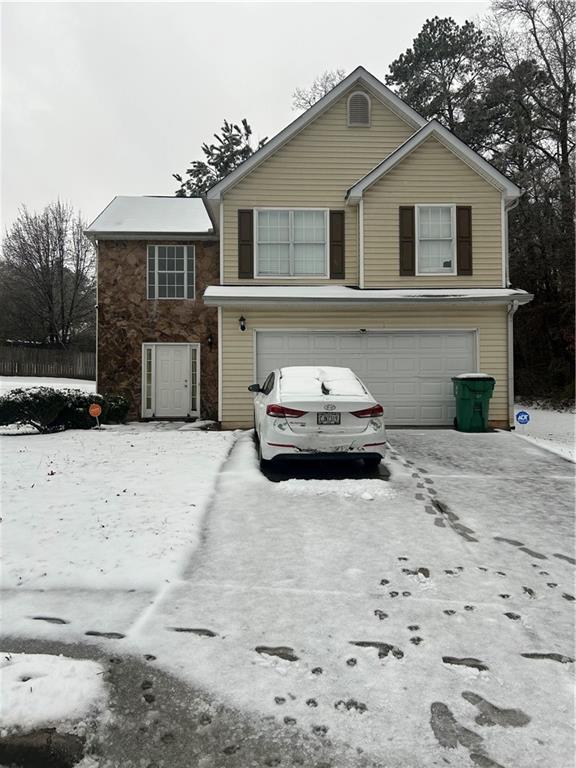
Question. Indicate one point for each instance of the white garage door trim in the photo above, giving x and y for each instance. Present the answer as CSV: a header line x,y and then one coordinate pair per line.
x,y
381,332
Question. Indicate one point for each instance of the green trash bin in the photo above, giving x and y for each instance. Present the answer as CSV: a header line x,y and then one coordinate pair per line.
x,y
472,392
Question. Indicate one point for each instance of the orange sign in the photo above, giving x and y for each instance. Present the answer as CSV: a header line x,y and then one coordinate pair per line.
x,y
95,410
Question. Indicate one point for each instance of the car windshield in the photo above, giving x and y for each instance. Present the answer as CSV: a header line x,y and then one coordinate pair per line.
x,y
313,380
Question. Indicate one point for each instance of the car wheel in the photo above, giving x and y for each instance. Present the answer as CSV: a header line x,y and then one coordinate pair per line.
x,y
372,462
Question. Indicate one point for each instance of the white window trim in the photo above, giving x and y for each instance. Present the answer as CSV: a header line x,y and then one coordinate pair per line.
x,y
148,413
171,298
452,207
325,276
359,125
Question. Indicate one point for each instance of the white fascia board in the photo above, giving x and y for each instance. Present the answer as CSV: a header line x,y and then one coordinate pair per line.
x,y
358,76
344,296
179,236
452,143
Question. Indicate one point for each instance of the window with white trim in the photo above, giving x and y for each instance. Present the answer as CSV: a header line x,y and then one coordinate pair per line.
x,y
435,240
171,272
291,243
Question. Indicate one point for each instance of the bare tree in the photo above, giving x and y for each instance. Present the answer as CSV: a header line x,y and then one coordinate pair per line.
x,y
48,284
304,98
542,31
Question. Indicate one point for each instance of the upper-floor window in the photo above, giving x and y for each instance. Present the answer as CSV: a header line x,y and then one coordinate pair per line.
x,y
435,240
171,272
359,110
291,243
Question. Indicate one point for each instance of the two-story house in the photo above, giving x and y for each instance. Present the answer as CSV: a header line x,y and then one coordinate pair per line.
x,y
363,236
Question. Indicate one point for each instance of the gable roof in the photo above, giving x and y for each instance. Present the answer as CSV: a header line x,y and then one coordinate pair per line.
x,y
452,143
359,76
128,215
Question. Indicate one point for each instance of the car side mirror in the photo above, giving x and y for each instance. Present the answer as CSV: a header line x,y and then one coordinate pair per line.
x,y
254,388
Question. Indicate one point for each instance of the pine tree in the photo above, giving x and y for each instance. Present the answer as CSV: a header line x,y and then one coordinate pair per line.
x,y
231,147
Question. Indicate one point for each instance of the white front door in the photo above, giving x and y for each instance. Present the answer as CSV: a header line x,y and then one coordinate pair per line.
x,y
170,381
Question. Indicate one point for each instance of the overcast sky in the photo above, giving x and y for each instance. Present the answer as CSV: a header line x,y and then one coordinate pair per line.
x,y
101,99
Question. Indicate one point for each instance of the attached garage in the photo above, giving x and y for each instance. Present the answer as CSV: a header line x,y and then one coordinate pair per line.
x,y
409,372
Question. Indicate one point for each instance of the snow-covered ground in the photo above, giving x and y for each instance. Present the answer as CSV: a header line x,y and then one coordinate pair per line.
x,y
554,430
388,623
21,382
41,690
117,508
424,620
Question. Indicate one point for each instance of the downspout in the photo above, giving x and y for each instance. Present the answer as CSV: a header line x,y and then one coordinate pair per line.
x,y
361,243
512,307
507,210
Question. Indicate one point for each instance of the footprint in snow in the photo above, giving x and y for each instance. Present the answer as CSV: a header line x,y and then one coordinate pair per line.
x,y
194,631
384,649
109,635
490,714
50,619
349,705
550,656
513,616
531,552
565,557
467,661
281,651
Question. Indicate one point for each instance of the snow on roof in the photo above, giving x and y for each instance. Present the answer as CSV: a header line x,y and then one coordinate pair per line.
x,y
168,215
318,380
255,294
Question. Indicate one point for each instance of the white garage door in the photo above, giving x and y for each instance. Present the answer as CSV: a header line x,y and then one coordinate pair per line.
x,y
408,372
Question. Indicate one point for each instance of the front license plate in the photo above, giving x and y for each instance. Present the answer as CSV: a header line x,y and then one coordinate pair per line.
x,y
328,418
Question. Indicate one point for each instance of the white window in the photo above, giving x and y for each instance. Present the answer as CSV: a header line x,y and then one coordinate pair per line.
x,y
435,239
291,243
359,110
171,272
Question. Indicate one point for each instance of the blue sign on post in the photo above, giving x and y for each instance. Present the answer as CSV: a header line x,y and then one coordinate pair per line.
x,y
522,417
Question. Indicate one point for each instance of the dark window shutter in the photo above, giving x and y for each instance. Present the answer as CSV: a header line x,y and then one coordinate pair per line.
x,y
245,244
337,270
464,239
407,240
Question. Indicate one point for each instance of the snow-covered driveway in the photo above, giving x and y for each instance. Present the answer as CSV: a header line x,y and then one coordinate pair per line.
x,y
430,620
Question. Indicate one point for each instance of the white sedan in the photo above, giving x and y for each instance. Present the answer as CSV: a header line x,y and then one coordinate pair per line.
x,y
317,412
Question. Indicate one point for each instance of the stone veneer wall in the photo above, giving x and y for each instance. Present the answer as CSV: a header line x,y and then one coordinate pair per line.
x,y
127,319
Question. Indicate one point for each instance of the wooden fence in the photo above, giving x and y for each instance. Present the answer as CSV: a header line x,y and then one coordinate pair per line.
x,y
32,361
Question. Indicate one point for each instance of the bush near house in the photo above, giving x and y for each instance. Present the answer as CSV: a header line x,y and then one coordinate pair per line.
x,y
53,410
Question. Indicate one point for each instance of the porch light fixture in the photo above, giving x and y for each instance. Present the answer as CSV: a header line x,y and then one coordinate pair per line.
x,y
210,341
242,323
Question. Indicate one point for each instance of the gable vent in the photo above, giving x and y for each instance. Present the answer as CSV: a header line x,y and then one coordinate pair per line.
x,y
358,110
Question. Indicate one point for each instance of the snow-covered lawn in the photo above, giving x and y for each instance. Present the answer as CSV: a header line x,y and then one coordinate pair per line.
x,y
40,690
21,382
554,430
117,508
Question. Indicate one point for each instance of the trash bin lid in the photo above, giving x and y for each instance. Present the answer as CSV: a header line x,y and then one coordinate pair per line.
x,y
473,377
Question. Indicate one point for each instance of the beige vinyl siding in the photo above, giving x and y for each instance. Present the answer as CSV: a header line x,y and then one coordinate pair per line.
x,y
238,369
315,169
431,174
